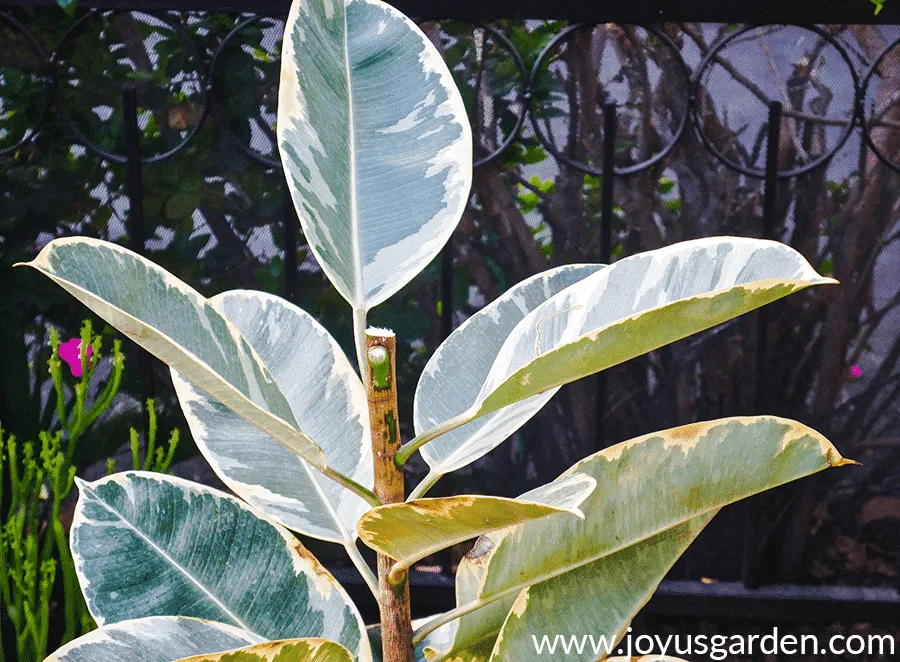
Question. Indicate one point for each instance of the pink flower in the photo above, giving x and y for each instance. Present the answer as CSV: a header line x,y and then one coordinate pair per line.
x,y
855,372
70,352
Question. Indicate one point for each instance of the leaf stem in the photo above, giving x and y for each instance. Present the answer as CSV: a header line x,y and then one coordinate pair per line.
x,y
427,483
360,490
452,615
407,449
363,568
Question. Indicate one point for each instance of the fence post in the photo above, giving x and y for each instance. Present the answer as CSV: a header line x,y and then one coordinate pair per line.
x,y
770,199
136,228
610,123
447,289
750,561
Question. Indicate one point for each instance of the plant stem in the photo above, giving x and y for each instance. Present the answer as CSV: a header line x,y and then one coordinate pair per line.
x,y
381,388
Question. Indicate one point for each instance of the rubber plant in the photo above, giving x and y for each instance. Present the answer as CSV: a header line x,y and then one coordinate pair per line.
x,y
378,156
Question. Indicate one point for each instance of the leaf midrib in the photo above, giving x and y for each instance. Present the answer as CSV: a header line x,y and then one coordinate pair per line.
x,y
149,541
355,248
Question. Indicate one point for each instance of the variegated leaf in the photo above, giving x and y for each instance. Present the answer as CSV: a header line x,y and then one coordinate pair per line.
x,y
328,402
646,658
290,650
472,642
655,482
148,544
453,377
640,304
647,486
375,143
176,323
153,639
634,306
471,637
408,532
600,598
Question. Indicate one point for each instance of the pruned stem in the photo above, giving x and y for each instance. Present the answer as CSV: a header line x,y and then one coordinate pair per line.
x,y
381,388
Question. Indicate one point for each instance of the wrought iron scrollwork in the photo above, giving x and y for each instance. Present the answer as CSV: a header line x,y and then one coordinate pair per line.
x,y
36,67
526,103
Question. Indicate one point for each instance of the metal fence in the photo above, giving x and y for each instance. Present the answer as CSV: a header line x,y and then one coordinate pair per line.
x,y
859,110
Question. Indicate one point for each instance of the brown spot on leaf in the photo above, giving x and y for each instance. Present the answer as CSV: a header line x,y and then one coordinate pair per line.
x,y
686,432
317,568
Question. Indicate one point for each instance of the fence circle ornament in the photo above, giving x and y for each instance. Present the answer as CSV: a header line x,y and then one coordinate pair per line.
x,y
151,53
872,114
92,65
651,127
260,86
791,87
32,79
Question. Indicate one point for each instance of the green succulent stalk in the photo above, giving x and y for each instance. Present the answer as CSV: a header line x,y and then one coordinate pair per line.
x,y
34,542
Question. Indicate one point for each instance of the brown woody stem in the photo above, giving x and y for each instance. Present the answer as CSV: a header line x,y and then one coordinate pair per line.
x,y
381,388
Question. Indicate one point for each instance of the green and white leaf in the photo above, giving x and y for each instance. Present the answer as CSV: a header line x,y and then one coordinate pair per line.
x,y
636,305
453,377
375,143
327,401
147,544
646,658
408,532
153,639
471,637
650,485
177,324
600,598
289,650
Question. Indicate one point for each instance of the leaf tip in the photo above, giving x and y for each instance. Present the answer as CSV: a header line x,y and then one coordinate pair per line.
x,y
835,459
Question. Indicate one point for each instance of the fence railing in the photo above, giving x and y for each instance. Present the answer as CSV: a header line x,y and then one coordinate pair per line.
x,y
639,11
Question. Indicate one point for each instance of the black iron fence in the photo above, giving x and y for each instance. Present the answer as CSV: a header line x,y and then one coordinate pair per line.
x,y
819,101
